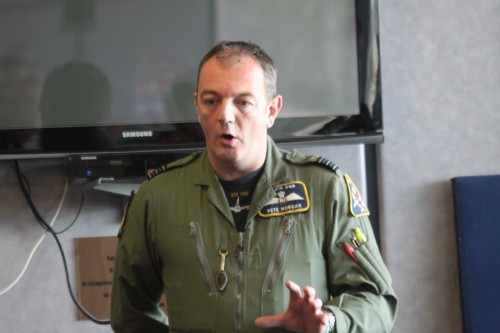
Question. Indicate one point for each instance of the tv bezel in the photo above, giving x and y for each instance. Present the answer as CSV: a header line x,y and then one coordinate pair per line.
x,y
179,138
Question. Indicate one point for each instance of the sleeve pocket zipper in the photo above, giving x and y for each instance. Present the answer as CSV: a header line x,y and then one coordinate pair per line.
x,y
206,271
278,255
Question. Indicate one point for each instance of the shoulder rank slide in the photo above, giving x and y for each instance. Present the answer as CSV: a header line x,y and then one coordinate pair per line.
x,y
173,165
357,206
327,163
299,158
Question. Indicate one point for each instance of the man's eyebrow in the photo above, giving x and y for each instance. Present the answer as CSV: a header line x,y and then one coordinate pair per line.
x,y
246,94
208,92
214,92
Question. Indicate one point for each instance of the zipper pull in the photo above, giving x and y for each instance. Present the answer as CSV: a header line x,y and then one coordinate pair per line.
x,y
240,242
289,225
221,279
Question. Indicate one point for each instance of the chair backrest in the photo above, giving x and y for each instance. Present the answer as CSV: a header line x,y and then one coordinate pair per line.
x,y
477,223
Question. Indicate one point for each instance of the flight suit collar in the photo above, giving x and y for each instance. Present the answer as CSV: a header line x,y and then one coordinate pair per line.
x,y
206,178
274,173
274,168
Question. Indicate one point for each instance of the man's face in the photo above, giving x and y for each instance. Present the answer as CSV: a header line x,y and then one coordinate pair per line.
x,y
235,114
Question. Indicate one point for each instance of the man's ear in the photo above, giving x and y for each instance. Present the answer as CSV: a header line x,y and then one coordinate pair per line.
x,y
274,110
195,102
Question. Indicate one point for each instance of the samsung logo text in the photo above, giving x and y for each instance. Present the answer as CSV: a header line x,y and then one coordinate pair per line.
x,y
137,134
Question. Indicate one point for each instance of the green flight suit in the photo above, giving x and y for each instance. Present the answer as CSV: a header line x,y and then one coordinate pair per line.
x,y
304,218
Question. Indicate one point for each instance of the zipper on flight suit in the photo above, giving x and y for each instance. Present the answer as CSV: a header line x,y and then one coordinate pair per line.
x,y
278,255
206,271
239,285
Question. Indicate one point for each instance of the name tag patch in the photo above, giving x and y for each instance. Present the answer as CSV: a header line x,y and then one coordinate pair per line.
x,y
356,204
291,198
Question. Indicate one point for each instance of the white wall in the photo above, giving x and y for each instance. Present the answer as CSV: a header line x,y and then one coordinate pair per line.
x,y
441,96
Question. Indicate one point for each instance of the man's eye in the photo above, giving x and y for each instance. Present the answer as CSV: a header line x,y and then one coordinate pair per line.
x,y
244,104
209,101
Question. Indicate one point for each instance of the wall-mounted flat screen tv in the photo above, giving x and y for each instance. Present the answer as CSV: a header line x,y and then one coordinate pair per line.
x,y
117,77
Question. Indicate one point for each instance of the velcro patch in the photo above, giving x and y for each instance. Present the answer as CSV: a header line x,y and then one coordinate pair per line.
x,y
291,198
357,206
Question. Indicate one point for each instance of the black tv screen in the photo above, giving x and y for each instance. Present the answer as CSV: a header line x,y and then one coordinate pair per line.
x,y
117,77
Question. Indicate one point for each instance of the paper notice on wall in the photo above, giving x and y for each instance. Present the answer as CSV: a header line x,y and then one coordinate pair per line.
x,y
96,257
95,264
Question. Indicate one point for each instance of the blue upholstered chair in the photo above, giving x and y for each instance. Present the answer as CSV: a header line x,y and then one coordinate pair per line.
x,y
477,222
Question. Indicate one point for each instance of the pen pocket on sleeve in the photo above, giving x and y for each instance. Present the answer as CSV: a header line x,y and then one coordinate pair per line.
x,y
373,265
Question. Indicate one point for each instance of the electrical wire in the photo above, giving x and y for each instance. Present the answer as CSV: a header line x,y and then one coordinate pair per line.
x,y
82,199
24,184
33,251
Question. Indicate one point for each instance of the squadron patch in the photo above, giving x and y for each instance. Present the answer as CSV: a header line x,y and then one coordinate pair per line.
x,y
357,206
291,198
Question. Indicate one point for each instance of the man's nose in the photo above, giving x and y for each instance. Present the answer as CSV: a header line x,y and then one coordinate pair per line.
x,y
226,112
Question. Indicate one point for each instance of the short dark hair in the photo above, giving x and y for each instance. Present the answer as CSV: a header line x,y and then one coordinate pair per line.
x,y
244,48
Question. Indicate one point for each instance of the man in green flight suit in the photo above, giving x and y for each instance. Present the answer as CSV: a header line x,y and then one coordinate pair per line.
x,y
246,237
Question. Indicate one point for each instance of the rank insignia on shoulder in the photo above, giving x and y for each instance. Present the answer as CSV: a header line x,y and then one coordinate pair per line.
x,y
327,163
173,165
290,198
357,206
299,158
